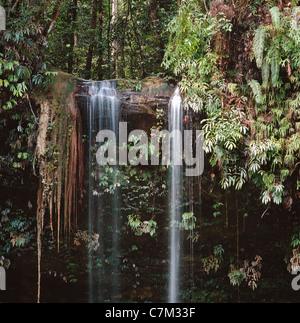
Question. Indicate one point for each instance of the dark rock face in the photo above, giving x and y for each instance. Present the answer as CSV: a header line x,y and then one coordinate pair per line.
x,y
140,103
153,94
138,108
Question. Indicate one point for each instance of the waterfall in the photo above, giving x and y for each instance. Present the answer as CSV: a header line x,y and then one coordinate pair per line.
x,y
102,114
175,195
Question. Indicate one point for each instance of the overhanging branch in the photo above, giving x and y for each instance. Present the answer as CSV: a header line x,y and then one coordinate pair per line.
x,y
55,14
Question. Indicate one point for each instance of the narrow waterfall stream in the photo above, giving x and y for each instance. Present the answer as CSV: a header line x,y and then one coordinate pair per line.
x,y
102,114
175,195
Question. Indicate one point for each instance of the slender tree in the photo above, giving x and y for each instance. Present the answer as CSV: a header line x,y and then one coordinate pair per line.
x,y
108,37
55,14
100,46
73,15
114,48
153,19
124,40
91,47
137,39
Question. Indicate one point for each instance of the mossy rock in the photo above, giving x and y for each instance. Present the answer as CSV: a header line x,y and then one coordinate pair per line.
x,y
153,86
63,85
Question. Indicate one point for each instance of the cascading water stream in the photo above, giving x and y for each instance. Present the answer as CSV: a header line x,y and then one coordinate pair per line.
x,y
102,114
175,195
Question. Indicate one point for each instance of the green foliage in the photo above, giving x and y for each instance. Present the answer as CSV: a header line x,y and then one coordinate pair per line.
x,y
44,77
275,68
223,133
16,229
12,82
295,240
256,89
236,277
140,40
275,17
257,141
214,261
280,150
188,221
142,227
190,56
72,270
249,272
258,45
216,207
265,73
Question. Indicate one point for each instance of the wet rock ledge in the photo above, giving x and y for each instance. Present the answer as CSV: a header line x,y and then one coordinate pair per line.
x,y
137,97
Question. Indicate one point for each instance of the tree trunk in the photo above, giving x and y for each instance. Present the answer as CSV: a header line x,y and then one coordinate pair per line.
x,y
108,37
54,17
73,15
237,238
114,49
125,12
100,59
91,47
137,41
153,19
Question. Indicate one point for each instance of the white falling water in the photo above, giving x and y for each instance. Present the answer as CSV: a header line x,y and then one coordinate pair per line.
x,y
103,114
175,196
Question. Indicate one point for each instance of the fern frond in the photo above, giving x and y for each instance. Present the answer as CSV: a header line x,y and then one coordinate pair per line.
x,y
275,68
258,45
256,89
275,17
265,73
295,13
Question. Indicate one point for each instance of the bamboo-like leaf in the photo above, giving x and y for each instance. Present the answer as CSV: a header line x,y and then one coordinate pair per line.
x,y
275,17
265,73
256,89
258,45
275,68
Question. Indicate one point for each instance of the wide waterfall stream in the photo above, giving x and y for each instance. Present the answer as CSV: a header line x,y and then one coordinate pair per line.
x,y
105,212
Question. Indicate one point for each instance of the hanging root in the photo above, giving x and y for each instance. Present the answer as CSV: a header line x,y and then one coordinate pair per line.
x,y
60,155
